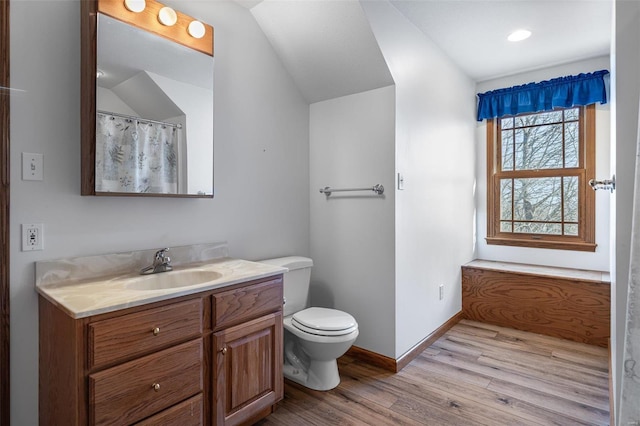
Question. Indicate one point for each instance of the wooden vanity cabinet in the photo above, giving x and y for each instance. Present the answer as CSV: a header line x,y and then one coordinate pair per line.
x,y
161,363
248,353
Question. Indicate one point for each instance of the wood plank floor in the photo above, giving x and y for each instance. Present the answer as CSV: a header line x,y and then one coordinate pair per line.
x,y
476,374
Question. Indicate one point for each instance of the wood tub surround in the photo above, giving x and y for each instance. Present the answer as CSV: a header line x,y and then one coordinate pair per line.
x,y
182,361
565,303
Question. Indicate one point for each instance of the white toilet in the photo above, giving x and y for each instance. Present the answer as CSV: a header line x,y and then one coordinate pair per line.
x,y
313,337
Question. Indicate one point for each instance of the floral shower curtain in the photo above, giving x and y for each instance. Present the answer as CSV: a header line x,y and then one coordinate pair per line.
x,y
135,156
630,395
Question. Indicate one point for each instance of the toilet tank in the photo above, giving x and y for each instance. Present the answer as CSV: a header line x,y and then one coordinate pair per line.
x,y
296,281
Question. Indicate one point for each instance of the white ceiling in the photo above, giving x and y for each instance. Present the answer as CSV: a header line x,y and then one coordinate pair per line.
x,y
330,50
474,33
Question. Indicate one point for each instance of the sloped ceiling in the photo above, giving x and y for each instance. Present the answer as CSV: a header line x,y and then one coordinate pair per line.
x,y
327,46
330,51
146,98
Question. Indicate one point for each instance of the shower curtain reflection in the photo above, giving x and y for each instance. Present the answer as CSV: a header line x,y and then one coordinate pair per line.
x,y
135,155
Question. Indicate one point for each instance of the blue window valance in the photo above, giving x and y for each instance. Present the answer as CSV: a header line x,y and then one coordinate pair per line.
x,y
563,92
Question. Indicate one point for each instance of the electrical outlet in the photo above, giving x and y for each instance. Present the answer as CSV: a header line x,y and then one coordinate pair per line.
x,y
441,291
32,236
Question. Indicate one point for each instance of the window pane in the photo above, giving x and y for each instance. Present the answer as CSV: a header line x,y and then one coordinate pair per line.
x,y
572,114
571,142
537,119
506,123
507,150
538,199
537,228
570,198
505,227
506,193
571,230
539,147
519,142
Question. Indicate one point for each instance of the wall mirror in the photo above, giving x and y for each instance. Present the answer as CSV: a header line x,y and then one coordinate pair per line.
x,y
147,101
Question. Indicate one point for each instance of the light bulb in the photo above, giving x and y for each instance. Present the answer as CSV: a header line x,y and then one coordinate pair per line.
x,y
196,29
167,16
136,6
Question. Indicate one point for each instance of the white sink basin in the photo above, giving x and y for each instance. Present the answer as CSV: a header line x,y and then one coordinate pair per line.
x,y
172,279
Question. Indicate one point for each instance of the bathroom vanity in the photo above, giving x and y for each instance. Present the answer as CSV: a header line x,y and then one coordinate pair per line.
x,y
209,353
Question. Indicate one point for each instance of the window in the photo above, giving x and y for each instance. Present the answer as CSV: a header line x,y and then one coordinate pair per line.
x,y
538,166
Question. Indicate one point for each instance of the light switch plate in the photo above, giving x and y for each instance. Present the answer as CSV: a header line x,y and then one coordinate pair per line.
x,y
400,181
32,166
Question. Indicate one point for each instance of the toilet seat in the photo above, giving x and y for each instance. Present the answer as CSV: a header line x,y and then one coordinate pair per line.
x,y
324,322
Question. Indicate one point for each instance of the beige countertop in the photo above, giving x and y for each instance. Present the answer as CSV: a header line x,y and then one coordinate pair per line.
x,y
91,296
550,271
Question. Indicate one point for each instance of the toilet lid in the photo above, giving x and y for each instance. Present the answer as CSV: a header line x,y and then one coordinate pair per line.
x,y
323,321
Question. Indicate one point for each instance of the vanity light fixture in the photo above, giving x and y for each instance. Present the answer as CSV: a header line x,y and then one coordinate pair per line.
x,y
167,16
196,29
519,35
135,6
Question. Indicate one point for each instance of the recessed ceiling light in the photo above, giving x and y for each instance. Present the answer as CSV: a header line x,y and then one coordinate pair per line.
x,y
519,35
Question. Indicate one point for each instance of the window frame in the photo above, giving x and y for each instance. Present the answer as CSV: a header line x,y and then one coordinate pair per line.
x,y
585,240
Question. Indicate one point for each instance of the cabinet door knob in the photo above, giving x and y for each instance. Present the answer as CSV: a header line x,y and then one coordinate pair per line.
x,y
156,387
156,331
223,351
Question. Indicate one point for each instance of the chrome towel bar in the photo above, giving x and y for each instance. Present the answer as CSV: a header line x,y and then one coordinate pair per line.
x,y
327,190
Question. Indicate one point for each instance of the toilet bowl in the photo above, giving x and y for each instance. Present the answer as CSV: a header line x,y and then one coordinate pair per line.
x,y
313,337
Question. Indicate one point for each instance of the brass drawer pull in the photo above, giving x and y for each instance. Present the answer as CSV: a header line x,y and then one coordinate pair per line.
x,y
223,351
156,331
156,387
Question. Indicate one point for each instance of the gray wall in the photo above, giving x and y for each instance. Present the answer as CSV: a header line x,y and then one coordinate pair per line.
x,y
261,204
353,234
435,152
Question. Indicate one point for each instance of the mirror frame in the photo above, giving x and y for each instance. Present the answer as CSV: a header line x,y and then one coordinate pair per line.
x,y
145,20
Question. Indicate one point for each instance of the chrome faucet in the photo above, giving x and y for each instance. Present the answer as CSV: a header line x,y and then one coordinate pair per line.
x,y
161,263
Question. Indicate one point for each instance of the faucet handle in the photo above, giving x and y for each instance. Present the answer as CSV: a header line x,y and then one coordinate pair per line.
x,y
161,258
161,263
160,253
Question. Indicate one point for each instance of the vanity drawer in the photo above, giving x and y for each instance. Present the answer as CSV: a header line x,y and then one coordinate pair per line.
x,y
187,413
243,304
115,339
138,389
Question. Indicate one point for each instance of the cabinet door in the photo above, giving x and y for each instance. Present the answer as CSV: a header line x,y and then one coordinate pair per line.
x,y
248,372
